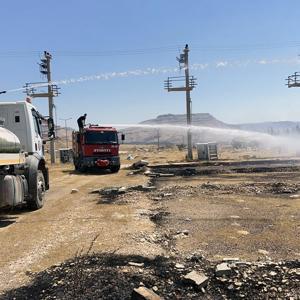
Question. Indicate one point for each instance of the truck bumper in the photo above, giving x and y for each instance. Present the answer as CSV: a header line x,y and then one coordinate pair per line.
x,y
100,162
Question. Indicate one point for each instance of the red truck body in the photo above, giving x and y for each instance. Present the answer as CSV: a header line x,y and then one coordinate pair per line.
x,y
96,147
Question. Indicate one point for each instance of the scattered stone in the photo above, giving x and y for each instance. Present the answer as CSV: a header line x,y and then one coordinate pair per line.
x,y
148,172
122,190
199,279
138,171
243,232
155,288
74,191
166,175
142,293
179,266
111,191
139,164
135,264
222,269
184,232
235,224
142,188
264,252
155,175
130,157
295,196
231,259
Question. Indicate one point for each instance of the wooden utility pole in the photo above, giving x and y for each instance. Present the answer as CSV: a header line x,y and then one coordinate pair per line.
x,y
189,84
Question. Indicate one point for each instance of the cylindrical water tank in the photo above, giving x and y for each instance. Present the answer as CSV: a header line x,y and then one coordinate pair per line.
x,y
9,142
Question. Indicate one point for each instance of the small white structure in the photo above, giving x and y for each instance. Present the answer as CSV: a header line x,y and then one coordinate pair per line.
x,y
207,151
66,155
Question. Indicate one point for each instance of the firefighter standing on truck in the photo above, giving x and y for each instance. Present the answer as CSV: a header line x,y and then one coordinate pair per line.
x,y
81,122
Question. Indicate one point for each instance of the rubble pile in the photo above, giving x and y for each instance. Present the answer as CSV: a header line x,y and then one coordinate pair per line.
x,y
241,188
255,188
112,276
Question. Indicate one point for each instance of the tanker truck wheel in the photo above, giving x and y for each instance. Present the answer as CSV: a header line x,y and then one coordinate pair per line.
x,y
37,200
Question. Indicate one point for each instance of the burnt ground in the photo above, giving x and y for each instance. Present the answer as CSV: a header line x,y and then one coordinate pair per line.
x,y
110,276
198,221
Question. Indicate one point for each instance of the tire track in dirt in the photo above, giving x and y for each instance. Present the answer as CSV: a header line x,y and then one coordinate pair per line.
x,y
66,223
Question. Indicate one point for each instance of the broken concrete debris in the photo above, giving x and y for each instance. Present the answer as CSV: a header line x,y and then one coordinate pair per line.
x,y
113,191
223,269
153,174
116,279
179,266
142,293
196,278
139,164
135,264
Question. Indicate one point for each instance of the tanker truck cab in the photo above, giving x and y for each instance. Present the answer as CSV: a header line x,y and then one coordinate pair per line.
x,y
23,120
29,180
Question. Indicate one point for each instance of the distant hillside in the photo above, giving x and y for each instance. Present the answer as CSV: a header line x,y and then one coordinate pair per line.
x,y
174,135
200,119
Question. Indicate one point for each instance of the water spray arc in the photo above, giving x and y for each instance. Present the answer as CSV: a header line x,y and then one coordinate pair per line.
x,y
189,84
221,135
156,71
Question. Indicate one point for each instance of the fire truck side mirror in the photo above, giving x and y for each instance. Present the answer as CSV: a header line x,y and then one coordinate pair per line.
x,y
123,137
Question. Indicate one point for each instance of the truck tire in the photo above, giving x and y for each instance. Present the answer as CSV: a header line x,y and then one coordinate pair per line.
x,y
37,200
115,169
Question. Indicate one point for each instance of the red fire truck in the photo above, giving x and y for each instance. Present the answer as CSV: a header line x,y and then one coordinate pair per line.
x,y
96,147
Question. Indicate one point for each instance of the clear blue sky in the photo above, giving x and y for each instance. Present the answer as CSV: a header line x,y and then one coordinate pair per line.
x,y
249,47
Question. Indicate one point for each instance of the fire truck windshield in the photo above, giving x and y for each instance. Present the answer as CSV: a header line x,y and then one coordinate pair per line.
x,y
101,137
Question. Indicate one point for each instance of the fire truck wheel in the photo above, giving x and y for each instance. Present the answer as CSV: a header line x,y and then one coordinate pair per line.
x,y
37,200
82,168
115,169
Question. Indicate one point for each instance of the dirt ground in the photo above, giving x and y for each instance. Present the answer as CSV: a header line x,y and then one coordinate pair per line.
x,y
251,216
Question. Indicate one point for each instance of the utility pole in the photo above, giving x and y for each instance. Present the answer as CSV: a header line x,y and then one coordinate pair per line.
x,y
66,129
188,102
158,136
46,70
293,80
53,91
189,84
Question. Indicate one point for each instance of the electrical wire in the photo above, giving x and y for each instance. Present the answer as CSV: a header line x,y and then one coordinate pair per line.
x,y
154,50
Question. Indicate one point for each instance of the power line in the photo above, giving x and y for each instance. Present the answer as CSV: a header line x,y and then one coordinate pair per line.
x,y
143,51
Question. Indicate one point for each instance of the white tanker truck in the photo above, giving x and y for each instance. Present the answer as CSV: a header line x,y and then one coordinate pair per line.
x,y
23,171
